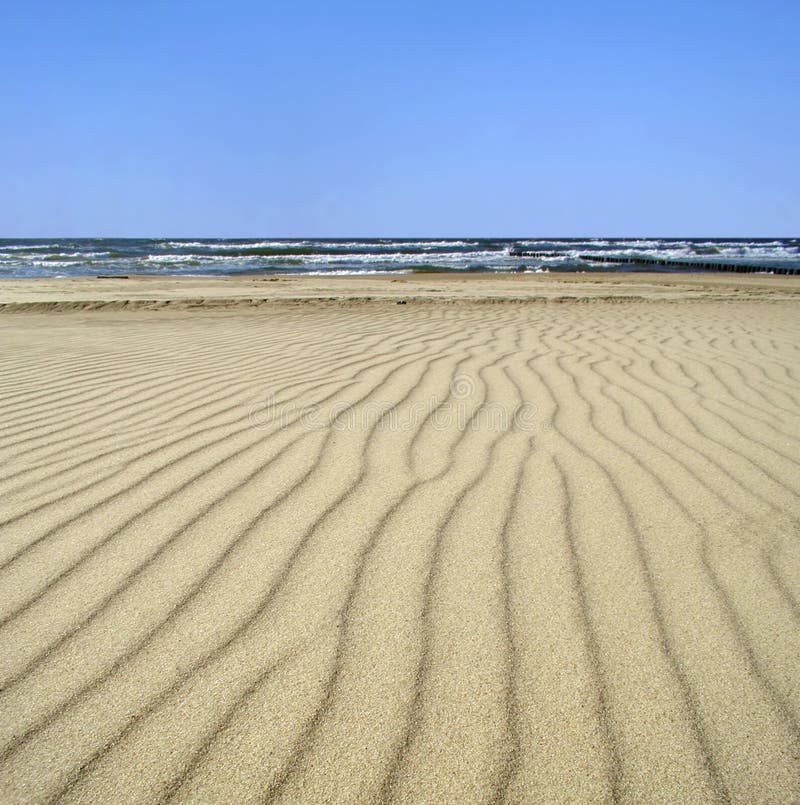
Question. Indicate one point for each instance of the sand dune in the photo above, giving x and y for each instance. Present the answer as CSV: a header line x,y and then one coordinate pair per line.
x,y
420,553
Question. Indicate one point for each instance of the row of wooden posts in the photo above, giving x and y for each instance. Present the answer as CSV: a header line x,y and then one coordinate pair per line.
x,y
739,268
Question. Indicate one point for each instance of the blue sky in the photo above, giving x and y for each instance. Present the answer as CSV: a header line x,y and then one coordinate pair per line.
x,y
416,118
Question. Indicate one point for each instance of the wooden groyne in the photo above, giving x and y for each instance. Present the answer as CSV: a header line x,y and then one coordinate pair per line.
x,y
738,268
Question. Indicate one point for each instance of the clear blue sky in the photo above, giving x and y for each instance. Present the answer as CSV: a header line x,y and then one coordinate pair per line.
x,y
416,118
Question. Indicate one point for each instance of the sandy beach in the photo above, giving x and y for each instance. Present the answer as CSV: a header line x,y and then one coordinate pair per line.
x,y
418,539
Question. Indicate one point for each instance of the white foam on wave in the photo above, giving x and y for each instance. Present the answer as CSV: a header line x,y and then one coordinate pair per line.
x,y
235,245
57,263
352,272
377,245
175,258
85,254
405,257
27,247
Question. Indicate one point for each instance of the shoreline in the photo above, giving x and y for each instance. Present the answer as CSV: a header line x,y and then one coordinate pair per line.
x,y
154,292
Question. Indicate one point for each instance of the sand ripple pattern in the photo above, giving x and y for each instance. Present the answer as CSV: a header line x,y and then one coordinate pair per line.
x,y
442,553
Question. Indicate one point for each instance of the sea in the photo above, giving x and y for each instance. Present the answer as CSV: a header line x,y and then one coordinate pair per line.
x,y
71,257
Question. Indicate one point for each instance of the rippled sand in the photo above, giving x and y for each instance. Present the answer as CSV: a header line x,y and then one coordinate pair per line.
x,y
433,552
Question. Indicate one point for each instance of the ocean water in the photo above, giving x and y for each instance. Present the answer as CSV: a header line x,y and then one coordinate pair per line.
x,y
68,257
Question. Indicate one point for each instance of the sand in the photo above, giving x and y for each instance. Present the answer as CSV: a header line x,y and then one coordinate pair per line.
x,y
524,539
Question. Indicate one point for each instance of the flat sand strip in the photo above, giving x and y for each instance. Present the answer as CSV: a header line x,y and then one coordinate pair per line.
x,y
203,293
362,553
